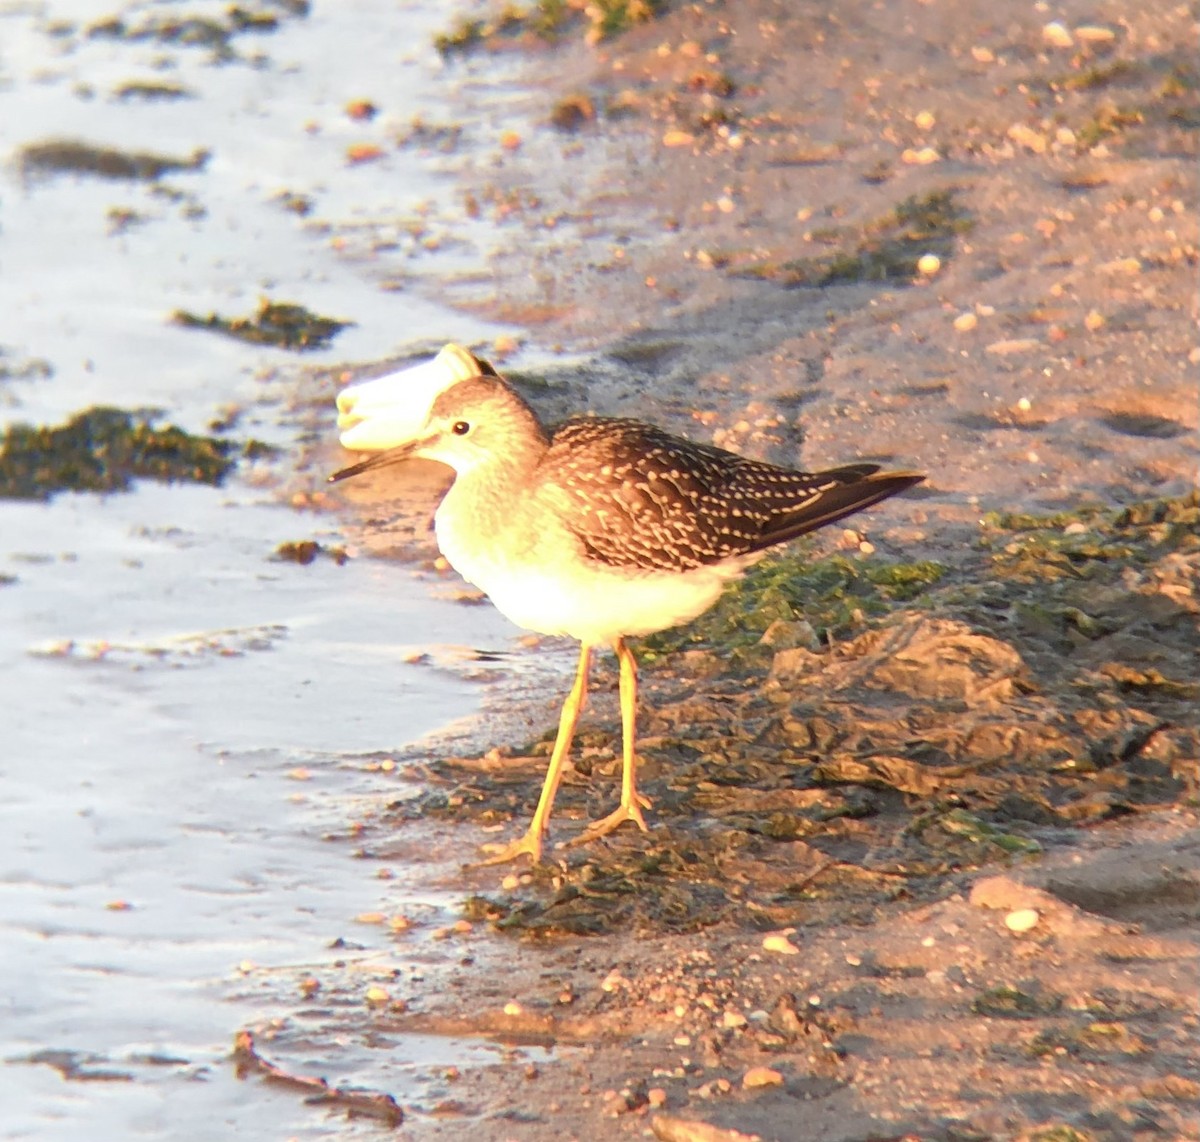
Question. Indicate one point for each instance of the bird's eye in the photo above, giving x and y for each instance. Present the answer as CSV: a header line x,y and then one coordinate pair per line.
x,y
460,428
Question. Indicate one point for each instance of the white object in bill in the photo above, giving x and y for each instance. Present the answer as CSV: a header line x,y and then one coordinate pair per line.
x,y
390,410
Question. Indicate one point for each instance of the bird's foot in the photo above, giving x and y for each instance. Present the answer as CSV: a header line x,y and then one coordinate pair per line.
x,y
626,811
528,845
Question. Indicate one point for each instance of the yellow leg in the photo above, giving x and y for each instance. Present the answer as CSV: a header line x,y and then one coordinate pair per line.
x,y
632,802
531,842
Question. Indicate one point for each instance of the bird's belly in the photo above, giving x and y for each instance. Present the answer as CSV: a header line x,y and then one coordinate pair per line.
x,y
598,608
585,599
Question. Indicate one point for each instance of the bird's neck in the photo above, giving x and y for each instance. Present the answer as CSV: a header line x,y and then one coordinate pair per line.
x,y
485,501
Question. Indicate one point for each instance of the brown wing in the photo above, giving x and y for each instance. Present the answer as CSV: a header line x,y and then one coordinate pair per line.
x,y
648,500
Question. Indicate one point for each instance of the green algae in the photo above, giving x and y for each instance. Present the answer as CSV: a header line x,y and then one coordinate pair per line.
x,y
217,33
306,551
548,20
1091,543
835,594
882,250
73,156
283,325
1006,1002
105,450
797,783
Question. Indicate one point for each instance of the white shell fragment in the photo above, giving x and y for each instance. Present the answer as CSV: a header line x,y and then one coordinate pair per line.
x,y
390,410
1022,920
777,942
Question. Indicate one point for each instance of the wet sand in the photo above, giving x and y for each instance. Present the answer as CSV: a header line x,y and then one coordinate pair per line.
x,y
1047,363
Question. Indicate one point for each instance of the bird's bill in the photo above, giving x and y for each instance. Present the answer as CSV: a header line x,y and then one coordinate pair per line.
x,y
379,460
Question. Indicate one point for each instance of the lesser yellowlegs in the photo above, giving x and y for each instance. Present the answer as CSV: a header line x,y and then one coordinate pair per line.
x,y
603,529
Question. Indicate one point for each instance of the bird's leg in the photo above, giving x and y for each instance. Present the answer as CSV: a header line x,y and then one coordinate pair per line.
x,y
531,842
632,802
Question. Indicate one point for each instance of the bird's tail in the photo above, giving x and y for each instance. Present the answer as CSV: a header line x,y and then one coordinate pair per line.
x,y
859,486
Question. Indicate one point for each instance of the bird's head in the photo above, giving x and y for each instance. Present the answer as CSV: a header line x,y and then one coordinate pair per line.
x,y
475,423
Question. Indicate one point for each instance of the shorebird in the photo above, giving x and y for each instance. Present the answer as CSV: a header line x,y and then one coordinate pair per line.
x,y
603,529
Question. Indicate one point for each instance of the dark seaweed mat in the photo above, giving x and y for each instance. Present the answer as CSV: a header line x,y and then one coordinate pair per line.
x,y
74,156
281,324
819,795
105,450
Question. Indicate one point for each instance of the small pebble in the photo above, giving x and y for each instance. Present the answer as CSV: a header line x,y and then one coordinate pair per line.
x,y
761,1076
929,264
777,942
376,995
965,322
1022,920
363,153
1094,34
1024,404
1130,266
919,158
1094,320
677,139
1057,35
1029,138
1014,345
512,1009
924,120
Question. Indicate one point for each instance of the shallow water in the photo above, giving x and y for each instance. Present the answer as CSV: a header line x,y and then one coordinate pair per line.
x,y
185,720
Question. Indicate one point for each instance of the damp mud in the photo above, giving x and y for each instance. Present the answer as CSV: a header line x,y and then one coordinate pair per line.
x,y
924,859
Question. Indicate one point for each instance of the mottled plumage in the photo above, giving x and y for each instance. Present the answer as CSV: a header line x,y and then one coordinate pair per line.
x,y
646,499
608,528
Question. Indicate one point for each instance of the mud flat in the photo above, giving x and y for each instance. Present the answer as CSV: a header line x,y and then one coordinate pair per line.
x,y
926,862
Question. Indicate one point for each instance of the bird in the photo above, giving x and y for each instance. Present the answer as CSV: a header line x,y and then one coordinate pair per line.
x,y
604,529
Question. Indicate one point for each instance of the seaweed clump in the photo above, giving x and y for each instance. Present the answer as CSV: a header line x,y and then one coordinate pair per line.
x,y
835,595
278,323
105,450
73,156
549,20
